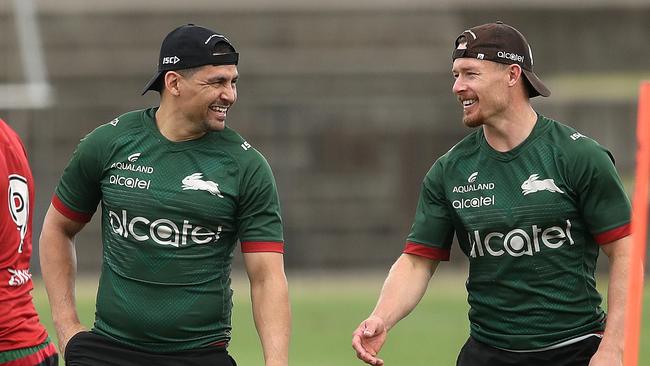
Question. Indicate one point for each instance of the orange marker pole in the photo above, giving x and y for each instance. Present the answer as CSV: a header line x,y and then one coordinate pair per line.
x,y
639,230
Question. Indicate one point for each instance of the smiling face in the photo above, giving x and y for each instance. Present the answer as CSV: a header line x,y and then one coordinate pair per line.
x,y
207,94
482,87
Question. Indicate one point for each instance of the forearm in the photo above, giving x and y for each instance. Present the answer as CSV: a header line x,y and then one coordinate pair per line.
x,y
404,287
272,315
619,258
58,267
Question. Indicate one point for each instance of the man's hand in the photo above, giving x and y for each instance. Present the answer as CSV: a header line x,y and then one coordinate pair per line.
x,y
606,358
64,333
368,339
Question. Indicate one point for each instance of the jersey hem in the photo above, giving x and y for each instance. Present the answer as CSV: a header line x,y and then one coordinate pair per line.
x,y
35,355
262,246
27,342
160,348
68,212
534,342
613,234
426,251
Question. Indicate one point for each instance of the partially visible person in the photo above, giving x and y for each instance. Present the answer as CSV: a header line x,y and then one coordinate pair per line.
x,y
23,339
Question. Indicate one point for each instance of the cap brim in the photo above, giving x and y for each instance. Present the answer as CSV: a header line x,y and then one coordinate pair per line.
x,y
538,87
153,83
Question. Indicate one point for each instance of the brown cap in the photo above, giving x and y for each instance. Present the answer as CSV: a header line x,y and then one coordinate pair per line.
x,y
500,43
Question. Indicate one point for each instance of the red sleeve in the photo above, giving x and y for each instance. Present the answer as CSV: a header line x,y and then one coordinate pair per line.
x,y
426,251
613,234
262,246
70,213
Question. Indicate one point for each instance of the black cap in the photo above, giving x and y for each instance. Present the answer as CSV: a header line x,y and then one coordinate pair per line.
x,y
190,46
500,43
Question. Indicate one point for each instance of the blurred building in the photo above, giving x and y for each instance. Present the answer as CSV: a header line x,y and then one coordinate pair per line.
x,y
350,101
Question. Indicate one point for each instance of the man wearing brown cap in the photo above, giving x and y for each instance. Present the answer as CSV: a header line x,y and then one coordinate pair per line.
x,y
178,190
531,203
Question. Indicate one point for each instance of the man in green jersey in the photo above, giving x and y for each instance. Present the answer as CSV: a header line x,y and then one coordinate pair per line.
x,y
178,189
531,202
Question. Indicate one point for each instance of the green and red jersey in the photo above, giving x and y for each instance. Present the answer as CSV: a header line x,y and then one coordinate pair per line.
x,y
172,213
530,221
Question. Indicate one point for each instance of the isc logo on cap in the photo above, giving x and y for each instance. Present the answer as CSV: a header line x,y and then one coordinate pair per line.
x,y
170,60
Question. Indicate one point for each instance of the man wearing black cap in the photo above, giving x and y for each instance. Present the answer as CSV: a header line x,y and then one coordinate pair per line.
x,y
178,190
531,202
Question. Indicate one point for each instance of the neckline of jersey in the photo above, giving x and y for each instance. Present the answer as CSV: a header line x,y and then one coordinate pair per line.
x,y
149,120
540,126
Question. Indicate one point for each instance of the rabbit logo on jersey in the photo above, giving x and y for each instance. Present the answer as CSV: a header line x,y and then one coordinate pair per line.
x,y
195,182
19,205
161,231
532,185
519,242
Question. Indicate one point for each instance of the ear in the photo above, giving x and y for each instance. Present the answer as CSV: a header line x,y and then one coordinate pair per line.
x,y
172,82
514,74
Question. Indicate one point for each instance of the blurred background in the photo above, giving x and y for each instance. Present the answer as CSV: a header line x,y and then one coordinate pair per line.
x,y
349,100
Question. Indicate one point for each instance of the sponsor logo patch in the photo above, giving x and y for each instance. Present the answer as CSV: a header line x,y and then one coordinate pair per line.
x,y
576,136
510,56
475,202
161,231
19,277
518,242
472,186
132,167
170,60
129,182
134,157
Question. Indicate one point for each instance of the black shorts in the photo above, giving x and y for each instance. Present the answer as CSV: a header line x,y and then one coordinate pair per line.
x,y
90,349
475,353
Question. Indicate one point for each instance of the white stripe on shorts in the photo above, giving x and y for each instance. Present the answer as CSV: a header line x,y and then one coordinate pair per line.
x,y
556,346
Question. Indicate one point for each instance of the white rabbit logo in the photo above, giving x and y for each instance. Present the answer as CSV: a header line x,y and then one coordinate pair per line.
x,y
195,182
532,185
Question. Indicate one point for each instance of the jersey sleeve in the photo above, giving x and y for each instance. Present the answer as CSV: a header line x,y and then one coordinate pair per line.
x,y
259,220
432,231
78,192
602,199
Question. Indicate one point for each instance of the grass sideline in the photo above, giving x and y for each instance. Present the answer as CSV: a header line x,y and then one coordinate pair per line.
x,y
326,309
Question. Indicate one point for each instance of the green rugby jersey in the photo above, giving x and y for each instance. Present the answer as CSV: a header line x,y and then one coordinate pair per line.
x,y
172,213
530,222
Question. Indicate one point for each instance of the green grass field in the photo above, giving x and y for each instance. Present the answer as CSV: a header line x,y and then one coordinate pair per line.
x,y
327,308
